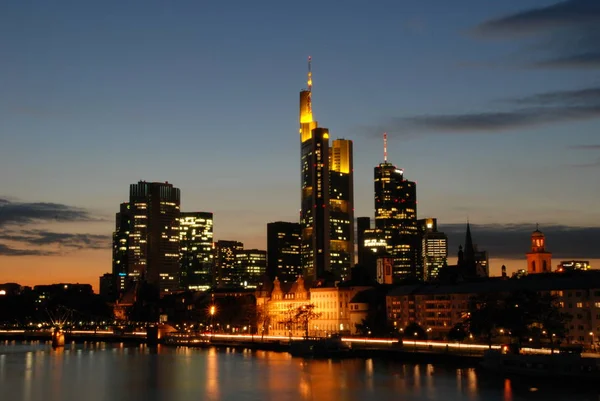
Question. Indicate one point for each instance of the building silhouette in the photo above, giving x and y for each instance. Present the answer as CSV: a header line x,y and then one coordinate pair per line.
x,y
227,273
362,225
341,210
251,265
147,231
539,260
283,251
196,250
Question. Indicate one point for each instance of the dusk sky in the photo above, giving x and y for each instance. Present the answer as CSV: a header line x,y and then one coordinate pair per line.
x,y
493,107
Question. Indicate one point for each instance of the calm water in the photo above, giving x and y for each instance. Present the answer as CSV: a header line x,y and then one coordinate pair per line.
x,y
111,372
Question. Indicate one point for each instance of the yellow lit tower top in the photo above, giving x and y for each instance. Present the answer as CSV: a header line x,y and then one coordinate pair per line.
x,y
307,123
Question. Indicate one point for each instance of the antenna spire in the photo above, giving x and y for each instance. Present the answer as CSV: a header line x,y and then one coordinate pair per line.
x,y
309,74
385,147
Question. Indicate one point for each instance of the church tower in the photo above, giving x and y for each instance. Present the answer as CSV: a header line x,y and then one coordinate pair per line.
x,y
538,260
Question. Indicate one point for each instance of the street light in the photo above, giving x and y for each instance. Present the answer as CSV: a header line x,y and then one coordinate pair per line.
x,y
212,312
593,345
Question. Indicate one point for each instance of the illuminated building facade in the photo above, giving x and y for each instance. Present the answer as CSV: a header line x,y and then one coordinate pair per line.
x,y
375,247
433,252
538,259
396,215
251,265
283,251
341,210
153,251
314,209
226,267
120,250
570,265
196,250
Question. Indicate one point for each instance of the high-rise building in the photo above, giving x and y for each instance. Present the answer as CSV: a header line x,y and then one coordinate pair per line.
x,y
196,250
362,224
252,266
314,213
396,215
539,260
107,287
341,210
120,251
226,267
375,247
153,242
433,249
283,251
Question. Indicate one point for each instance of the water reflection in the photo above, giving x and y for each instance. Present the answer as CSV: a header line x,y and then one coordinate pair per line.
x,y
96,371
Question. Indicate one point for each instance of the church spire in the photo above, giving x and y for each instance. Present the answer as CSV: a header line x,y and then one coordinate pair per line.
x,y
469,248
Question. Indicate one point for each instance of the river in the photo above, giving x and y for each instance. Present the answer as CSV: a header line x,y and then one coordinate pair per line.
x,y
99,371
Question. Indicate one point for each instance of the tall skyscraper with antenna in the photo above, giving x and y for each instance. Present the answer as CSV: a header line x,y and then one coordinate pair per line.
x,y
314,210
396,216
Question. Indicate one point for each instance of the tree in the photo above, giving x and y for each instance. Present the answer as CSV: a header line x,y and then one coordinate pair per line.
x,y
457,333
415,331
304,315
484,315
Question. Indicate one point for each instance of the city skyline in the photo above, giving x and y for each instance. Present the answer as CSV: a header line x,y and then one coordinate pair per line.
x,y
67,157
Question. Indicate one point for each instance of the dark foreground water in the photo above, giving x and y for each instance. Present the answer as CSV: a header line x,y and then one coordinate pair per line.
x,y
112,372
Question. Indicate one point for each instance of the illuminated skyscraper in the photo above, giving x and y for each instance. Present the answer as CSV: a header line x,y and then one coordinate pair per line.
x,y
314,213
362,224
196,250
252,266
341,211
227,273
396,215
433,250
153,249
283,251
120,251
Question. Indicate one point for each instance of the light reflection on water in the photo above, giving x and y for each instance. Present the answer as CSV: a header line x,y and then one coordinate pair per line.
x,y
98,371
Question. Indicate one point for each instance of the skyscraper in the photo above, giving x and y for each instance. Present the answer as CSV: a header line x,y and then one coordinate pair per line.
x,y
120,250
433,250
153,251
341,211
314,212
283,251
196,250
227,273
251,265
396,215
362,224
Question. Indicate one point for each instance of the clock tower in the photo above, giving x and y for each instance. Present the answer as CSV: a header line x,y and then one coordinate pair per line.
x,y
538,259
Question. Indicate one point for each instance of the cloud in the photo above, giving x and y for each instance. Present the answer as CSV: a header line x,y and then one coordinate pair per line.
x,y
586,165
585,147
535,110
24,213
512,241
66,240
568,33
6,250
570,13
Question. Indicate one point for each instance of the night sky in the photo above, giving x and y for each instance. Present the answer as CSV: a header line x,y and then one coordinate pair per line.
x,y
493,107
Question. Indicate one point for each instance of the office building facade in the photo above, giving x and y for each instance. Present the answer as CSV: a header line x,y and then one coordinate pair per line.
x,y
227,273
251,267
283,251
196,250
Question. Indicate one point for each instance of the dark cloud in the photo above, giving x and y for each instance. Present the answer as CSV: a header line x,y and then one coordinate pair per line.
x,y
512,241
24,213
534,110
568,33
593,164
6,250
565,14
481,122
585,147
66,240
585,60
